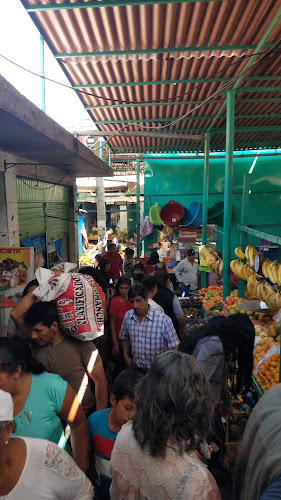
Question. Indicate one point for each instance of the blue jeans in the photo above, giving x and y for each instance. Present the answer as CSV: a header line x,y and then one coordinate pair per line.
x,y
186,290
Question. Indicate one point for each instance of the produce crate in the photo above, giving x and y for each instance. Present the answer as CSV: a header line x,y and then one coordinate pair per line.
x,y
233,445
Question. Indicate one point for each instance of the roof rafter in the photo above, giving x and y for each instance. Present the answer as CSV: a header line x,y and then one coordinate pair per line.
x,y
187,118
160,50
172,82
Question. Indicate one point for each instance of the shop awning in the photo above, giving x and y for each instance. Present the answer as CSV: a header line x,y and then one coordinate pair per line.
x,y
27,132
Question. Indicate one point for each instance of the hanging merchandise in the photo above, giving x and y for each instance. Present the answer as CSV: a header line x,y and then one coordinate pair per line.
x,y
154,215
146,227
79,300
215,213
193,215
172,213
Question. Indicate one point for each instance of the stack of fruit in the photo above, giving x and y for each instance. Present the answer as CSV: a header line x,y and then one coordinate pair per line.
x,y
268,374
212,259
207,293
231,304
262,290
261,349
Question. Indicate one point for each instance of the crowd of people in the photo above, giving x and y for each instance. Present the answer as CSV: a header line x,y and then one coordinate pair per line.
x,y
133,420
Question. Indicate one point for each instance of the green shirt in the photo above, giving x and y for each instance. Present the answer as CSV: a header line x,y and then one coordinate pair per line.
x,y
39,416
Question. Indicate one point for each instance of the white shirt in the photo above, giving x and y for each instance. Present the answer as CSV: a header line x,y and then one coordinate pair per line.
x,y
154,305
187,273
49,473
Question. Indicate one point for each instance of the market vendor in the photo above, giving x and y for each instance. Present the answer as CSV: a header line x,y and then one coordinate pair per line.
x,y
187,272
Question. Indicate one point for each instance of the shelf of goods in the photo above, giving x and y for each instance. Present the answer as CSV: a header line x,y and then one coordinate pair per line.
x,y
263,280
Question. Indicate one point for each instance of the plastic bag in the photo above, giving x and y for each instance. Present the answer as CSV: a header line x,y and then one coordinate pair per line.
x,y
79,300
146,227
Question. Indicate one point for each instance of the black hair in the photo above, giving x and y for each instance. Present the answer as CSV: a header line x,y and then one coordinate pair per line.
x,y
16,352
237,334
42,312
161,278
138,277
94,273
149,282
160,266
110,245
124,280
129,251
103,263
98,257
124,385
139,266
136,290
28,286
154,258
174,400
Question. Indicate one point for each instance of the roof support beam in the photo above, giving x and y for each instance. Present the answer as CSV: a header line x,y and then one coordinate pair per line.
x,y
187,118
170,134
104,3
172,82
261,45
160,50
258,89
171,103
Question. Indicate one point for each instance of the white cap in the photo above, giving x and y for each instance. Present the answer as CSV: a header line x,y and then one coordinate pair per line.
x,y
6,407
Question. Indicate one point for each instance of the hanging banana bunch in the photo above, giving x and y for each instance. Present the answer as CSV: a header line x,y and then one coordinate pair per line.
x,y
272,271
239,253
212,259
250,253
241,270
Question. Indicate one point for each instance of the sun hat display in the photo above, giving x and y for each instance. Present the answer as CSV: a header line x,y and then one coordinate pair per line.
x,y
6,407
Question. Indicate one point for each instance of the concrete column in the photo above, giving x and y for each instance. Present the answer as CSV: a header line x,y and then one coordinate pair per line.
x,y
123,218
101,214
9,224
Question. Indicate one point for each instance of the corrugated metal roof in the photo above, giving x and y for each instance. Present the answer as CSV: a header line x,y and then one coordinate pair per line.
x,y
207,40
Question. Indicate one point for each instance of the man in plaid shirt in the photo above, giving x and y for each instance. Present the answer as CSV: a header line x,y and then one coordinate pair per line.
x,y
147,331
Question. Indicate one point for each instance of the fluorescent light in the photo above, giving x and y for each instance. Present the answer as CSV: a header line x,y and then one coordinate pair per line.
x,y
254,162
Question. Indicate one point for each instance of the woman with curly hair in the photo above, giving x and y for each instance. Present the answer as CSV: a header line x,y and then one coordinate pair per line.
x,y
154,456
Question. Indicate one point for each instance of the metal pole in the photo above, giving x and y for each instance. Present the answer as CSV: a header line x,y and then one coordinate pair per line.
x,y
244,213
230,111
205,201
109,157
42,72
138,207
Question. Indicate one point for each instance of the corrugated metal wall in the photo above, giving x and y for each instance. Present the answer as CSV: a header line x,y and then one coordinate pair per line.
x,y
42,208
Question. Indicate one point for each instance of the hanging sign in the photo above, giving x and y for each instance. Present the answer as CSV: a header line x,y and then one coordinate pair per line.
x,y
16,270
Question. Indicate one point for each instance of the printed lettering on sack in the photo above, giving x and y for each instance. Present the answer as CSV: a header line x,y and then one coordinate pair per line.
x,y
80,308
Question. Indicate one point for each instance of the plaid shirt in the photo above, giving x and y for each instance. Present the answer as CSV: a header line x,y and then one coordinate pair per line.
x,y
150,338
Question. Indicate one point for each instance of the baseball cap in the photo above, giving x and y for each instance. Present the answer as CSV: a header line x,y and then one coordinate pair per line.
x,y
190,252
6,407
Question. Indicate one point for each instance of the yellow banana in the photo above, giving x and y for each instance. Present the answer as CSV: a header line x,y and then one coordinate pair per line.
x,y
239,253
265,267
279,275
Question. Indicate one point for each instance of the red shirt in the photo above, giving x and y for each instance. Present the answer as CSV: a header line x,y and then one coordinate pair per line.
x,y
118,309
115,265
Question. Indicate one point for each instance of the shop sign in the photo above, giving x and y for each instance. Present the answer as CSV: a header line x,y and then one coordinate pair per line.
x,y
16,270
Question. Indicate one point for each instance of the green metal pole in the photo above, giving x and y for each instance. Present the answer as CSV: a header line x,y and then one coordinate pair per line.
x,y
138,207
230,110
244,214
205,200
42,72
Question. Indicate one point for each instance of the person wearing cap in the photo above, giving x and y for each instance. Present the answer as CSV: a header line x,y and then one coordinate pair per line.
x,y
187,272
36,469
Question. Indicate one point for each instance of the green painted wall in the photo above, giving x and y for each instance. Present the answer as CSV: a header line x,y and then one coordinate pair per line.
x,y
182,180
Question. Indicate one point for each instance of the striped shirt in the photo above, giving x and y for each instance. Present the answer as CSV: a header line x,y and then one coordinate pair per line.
x,y
102,439
150,338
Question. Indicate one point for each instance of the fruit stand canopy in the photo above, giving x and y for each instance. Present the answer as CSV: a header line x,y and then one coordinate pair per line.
x,y
162,59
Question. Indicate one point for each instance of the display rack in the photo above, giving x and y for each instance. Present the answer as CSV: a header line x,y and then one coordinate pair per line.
x,y
277,241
